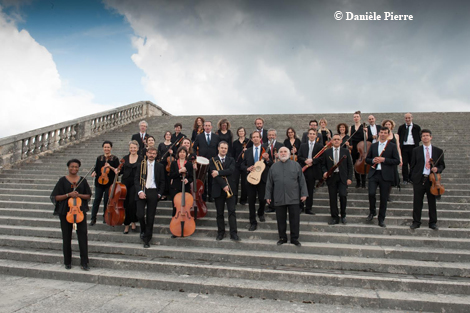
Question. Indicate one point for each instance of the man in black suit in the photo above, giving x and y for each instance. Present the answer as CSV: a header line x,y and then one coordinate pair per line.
x,y
150,183
373,130
272,147
259,124
409,134
313,172
419,173
141,137
207,142
221,187
177,135
251,156
382,155
339,181
313,124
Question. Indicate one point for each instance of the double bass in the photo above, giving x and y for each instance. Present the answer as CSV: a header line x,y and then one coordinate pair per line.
x,y
115,212
182,224
361,166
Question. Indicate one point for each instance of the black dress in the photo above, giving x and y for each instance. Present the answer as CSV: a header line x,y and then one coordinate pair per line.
x,y
176,179
344,140
101,190
162,149
61,208
288,145
128,173
324,136
238,174
227,137
358,137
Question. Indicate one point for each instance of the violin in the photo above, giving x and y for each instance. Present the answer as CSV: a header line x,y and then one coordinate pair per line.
x,y
293,156
75,214
104,179
168,163
200,207
361,166
115,212
436,187
182,224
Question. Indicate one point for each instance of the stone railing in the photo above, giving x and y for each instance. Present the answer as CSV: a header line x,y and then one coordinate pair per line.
x,y
21,147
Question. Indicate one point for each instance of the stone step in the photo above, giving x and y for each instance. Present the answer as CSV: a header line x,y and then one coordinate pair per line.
x,y
244,287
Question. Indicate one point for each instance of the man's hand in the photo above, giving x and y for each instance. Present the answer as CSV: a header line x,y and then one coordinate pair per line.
x,y
325,175
251,168
142,195
268,201
215,174
349,182
303,199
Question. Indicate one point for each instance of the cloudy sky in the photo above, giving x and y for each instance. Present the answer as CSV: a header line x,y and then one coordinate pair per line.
x,y
64,59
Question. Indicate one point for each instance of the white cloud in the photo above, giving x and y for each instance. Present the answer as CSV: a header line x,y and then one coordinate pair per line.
x,y
32,93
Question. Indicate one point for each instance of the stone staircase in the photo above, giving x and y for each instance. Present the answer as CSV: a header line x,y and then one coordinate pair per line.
x,y
358,264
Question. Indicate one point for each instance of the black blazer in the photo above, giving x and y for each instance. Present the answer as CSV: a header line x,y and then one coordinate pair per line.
x,y
249,160
205,150
277,146
176,177
369,133
345,168
175,138
415,132
137,138
218,183
159,174
313,171
391,156
418,160
264,139
305,138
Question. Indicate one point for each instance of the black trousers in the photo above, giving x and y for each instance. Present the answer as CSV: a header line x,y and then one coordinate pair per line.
x,y
146,215
232,218
377,181
254,190
100,191
240,176
294,221
419,189
406,152
82,234
310,180
130,204
335,186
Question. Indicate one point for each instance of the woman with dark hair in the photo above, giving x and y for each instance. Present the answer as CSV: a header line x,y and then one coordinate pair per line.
x,y
225,134
238,147
342,130
292,142
357,133
150,142
132,161
162,156
63,191
107,161
393,137
178,167
198,127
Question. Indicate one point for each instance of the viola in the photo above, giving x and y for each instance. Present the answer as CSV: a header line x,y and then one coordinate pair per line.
x,y
104,179
182,224
436,187
75,214
361,166
115,212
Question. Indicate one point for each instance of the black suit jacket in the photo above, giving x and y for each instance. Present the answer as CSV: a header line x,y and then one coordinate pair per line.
x,y
277,146
392,158
415,132
313,171
205,150
345,168
264,139
137,138
418,163
175,138
159,174
369,133
249,160
305,138
218,183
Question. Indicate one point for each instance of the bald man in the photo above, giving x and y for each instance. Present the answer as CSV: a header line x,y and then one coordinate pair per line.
x,y
409,134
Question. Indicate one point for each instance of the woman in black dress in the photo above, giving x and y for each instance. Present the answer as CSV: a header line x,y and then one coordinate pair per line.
x,y
357,133
390,124
292,142
132,161
342,130
149,142
225,134
162,155
198,128
178,167
238,147
62,192
106,160
326,134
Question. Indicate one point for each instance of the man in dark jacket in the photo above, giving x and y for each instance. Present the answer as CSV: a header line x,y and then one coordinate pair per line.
x,y
409,134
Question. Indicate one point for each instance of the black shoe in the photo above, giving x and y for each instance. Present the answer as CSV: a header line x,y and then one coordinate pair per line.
x,y
93,221
343,220
433,227
210,199
252,227
242,203
125,232
68,266
235,237
414,226
382,224
389,200
405,183
142,236
219,237
358,185
281,242
269,211
262,219
364,186
333,221
104,221
370,217
295,242
85,267
146,245
310,212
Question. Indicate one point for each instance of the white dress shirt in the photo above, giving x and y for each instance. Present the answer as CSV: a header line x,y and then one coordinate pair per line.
x,y
425,170
381,148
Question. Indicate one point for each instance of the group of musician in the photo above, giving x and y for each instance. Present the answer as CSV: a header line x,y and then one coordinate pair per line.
x,y
280,176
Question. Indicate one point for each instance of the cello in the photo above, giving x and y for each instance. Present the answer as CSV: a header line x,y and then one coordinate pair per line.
x,y
75,214
115,212
182,224
200,208
361,166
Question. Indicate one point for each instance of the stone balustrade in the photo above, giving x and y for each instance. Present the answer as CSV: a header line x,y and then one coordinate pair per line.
x,y
18,148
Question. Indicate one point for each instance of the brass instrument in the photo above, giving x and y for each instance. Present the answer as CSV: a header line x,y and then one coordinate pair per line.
x,y
218,166
143,173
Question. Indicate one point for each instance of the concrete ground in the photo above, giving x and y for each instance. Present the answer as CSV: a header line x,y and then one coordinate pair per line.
x,y
22,294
